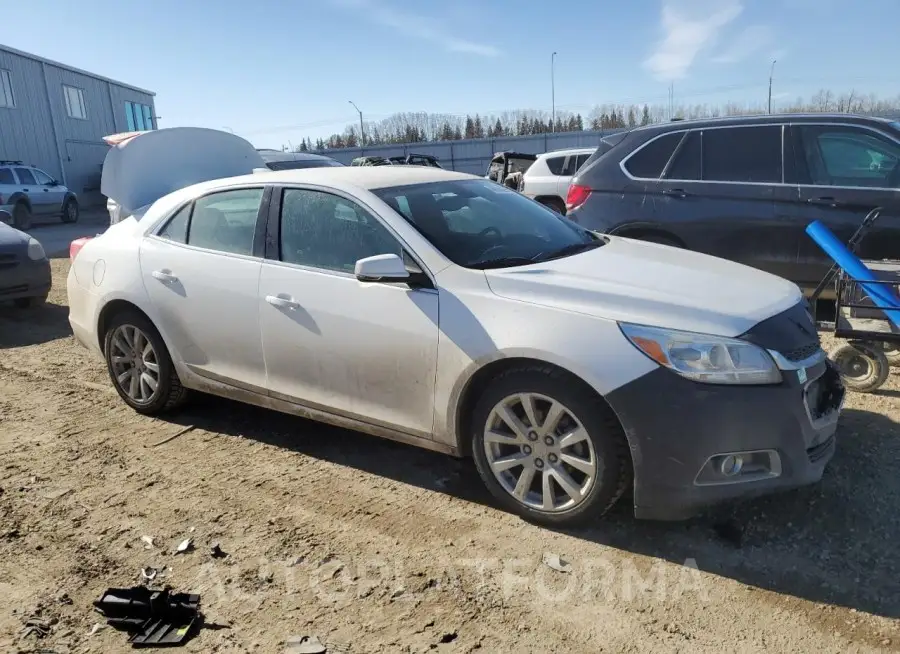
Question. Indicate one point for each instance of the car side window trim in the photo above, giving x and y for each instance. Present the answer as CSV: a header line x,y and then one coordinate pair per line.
x,y
258,251
783,167
701,181
272,253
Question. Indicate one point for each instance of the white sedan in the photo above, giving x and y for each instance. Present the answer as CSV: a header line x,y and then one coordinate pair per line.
x,y
446,311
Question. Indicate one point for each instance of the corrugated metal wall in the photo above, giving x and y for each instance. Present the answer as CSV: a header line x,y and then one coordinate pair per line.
x,y
473,155
39,131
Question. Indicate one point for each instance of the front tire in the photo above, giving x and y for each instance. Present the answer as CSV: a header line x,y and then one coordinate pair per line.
x,y
139,365
863,365
70,211
548,448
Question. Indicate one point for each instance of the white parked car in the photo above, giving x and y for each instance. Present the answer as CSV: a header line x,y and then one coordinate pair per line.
x,y
547,179
446,311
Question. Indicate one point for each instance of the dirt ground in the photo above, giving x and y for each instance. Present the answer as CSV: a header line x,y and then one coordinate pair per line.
x,y
379,547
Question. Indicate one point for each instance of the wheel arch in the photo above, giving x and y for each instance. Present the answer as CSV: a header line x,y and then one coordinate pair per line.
x,y
115,307
18,197
642,230
554,199
479,380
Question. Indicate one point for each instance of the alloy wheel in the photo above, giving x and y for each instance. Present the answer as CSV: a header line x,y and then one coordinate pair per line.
x,y
135,363
540,453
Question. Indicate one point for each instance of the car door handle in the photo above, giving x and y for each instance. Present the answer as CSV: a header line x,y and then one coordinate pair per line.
x,y
675,192
827,201
164,276
26,190
46,190
282,301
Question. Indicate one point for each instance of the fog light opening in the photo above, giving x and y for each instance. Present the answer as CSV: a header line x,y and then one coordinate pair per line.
x,y
731,465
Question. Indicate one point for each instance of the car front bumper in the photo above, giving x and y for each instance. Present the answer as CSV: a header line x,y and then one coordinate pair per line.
x,y
681,433
21,277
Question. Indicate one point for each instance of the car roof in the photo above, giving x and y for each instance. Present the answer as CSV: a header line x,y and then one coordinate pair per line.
x,y
590,150
366,177
761,119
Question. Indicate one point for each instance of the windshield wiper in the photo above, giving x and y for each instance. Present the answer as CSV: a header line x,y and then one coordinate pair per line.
x,y
569,250
503,262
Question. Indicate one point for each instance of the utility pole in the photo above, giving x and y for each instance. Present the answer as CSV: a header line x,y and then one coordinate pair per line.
x,y
362,133
771,74
553,91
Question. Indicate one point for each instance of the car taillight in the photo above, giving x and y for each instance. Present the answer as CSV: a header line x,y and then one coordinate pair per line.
x,y
577,196
76,245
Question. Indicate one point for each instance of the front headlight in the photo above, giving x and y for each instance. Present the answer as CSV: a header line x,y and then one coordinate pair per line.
x,y
704,358
35,250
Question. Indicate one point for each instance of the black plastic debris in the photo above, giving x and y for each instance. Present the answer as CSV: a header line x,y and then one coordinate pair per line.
x,y
155,618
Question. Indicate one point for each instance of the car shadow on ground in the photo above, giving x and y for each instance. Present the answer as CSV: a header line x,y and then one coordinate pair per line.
x,y
32,326
833,542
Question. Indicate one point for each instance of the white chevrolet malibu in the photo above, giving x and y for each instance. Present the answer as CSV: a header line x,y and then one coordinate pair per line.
x,y
449,312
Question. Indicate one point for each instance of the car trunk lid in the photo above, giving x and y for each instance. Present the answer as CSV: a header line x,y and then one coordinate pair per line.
x,y
141,167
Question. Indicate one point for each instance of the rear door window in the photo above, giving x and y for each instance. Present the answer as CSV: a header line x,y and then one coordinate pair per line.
x,y
743,154
649,161
25,176
686,164
226,221
555,164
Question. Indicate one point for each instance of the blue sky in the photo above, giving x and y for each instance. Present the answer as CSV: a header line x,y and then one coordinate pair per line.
x,y
278,70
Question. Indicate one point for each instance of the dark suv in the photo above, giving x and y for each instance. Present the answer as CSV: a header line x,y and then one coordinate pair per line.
x,y
745,188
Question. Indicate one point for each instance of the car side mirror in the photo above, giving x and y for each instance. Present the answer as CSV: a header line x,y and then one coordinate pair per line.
x,y
53,182
6,217
381,268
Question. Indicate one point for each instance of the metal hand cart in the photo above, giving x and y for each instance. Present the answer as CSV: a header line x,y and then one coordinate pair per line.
x,y
867,308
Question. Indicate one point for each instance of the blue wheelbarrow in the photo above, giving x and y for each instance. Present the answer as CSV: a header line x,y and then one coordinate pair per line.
x,y
867,308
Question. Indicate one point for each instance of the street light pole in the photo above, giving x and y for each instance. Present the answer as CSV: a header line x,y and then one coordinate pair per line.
x,y
553,91
362,133
771,74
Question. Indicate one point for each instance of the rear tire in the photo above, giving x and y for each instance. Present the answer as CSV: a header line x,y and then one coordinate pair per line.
x,y
554,204
21,216
70,211
139,365
863,365
586,433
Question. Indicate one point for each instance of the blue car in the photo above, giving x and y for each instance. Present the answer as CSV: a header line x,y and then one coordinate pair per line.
x,y
24,268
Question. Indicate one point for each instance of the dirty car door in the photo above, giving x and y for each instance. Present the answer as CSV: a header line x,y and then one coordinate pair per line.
x,y
364,350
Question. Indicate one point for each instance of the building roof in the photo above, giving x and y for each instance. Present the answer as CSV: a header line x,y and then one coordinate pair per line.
x,y
50,62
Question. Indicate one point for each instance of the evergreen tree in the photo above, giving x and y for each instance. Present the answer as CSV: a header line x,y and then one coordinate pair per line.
x,y
498,129
632,120
470,128
579,122
645,115
479,128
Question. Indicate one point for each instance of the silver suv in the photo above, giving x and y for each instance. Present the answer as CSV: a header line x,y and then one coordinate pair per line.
x,y
26,191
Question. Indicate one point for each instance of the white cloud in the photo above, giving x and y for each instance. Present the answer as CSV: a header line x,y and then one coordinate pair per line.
x,y
689,26
750,41
416,26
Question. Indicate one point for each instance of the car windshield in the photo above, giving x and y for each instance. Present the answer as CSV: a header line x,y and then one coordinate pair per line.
x,y
479,224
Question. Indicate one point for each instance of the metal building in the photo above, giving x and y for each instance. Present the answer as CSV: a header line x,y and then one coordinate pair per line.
x,y
54,117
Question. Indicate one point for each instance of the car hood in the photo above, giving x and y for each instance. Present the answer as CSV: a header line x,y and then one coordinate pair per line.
x,y
649,284
11,238
141,167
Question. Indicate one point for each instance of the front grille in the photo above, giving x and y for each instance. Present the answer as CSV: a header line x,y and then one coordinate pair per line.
x,y
820,451
8,261
801,353
9,290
